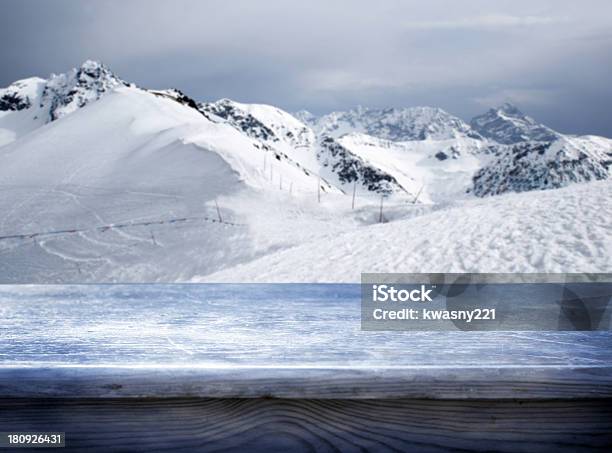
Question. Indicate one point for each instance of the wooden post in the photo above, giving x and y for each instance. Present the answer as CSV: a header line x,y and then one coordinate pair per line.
x,y
319,190
265,161
418,194
354,190
218,211
380,217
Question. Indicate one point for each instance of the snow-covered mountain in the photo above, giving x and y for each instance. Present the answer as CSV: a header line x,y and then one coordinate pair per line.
x,y
508,125
350,168
417,123
391,151
545,165
65,93
27,104
290,138
138,185
105,181
264,122
376,165
429,171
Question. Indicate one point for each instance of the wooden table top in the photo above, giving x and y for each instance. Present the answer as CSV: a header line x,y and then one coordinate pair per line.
x,y
289,341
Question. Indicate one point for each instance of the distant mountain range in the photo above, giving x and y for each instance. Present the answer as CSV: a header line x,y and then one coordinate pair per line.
x,y
400,125
401,151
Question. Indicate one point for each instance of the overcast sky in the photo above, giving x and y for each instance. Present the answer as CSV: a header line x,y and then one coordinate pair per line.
x,y
553,58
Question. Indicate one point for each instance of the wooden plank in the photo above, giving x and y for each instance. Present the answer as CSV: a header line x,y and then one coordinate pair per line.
x,y
305,382
316,425
290,341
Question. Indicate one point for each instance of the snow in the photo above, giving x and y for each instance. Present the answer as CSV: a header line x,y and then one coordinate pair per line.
x,y
544,165
119,160
290,137
134,157
508,125
101,181
416,123
15,124
415,165
565,230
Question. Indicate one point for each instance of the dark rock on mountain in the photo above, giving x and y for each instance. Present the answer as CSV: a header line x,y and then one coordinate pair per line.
x,y
417,123
241,120
508,125
350,168
538,166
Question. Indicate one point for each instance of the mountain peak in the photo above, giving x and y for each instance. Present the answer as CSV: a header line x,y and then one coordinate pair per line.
x,y
92,65
69,91
506,124
60,94
305,117
94,70
509,109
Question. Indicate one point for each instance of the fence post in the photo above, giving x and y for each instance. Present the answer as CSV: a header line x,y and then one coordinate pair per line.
x,y
418,194
218,212
380,217
319,190
354,190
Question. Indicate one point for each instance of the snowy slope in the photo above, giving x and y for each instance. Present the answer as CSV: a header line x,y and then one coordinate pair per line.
x,y
508,125
134,157
435,170
417,123
20,109
263,122
565,230
285,137
352,172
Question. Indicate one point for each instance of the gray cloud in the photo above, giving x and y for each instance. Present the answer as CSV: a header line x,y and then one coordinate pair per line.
x,y
551,57
488,22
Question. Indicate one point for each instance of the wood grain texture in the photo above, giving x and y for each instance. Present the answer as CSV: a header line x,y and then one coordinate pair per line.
x,y
346,383
250,325
286,368
287,341
316,425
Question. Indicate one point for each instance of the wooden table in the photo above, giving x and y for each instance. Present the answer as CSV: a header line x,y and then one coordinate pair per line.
x,y
285,367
